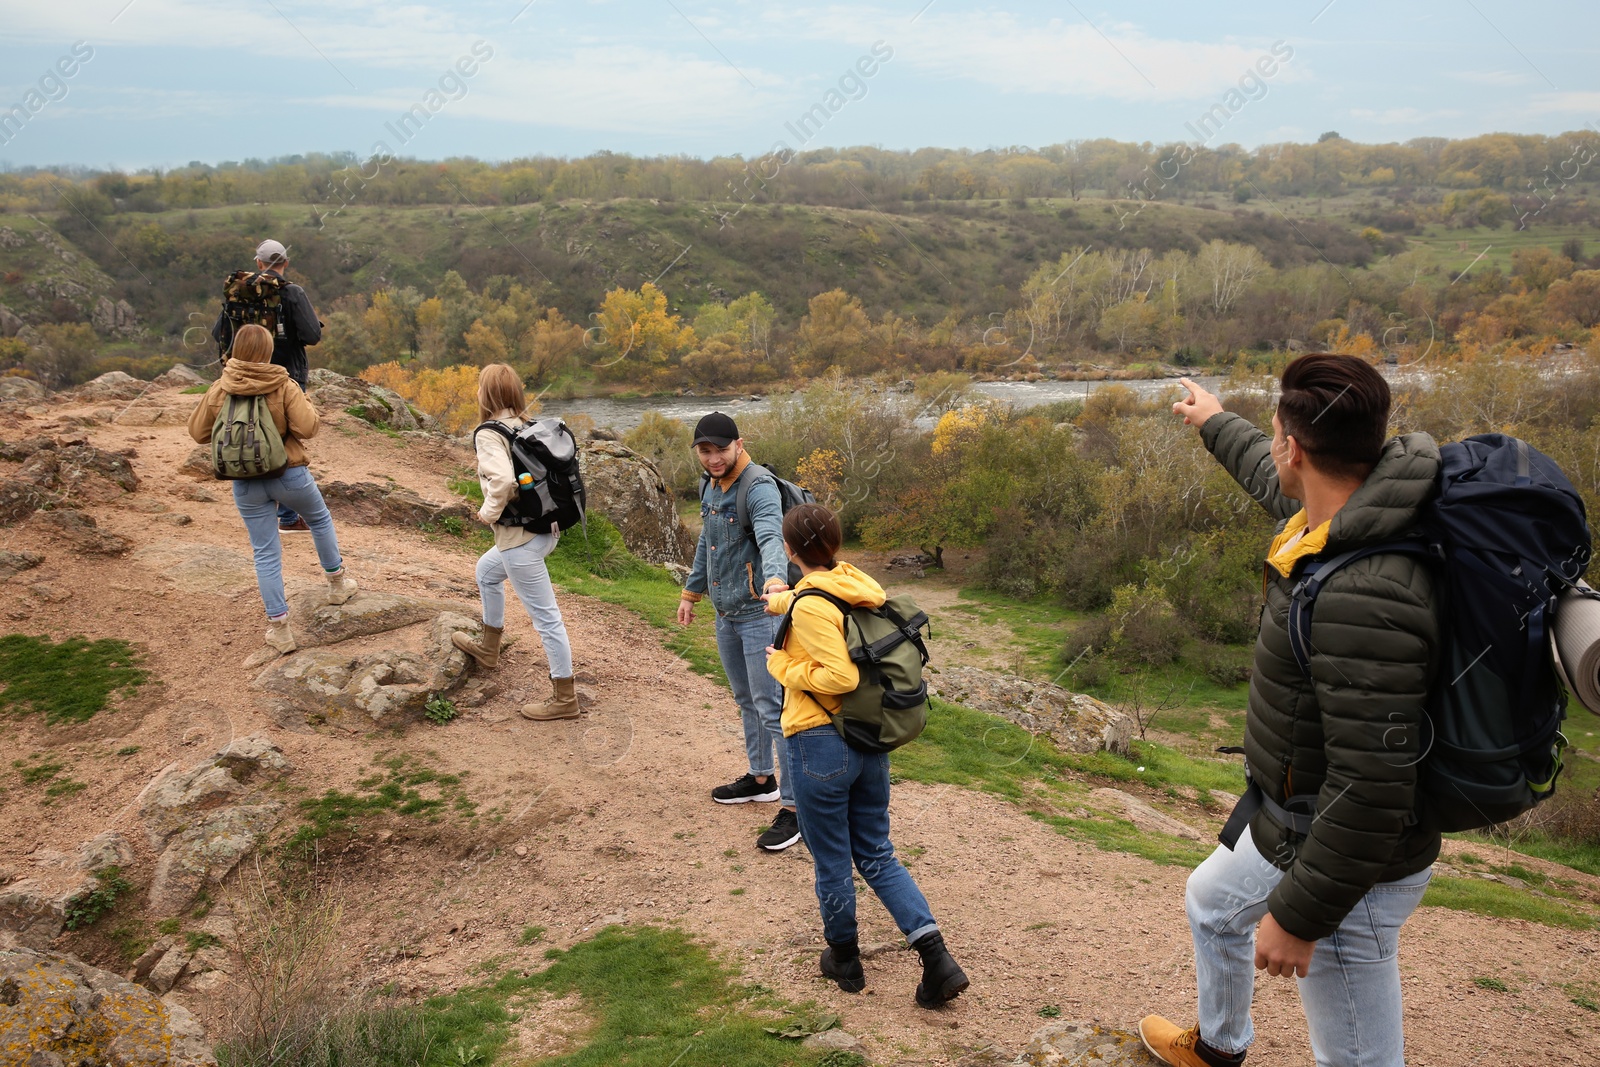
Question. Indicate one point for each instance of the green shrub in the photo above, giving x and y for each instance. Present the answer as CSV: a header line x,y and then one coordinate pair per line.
x,y
439,710
666,441
86,908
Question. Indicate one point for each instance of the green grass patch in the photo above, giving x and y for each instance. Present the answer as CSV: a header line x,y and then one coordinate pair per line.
x,y
530,934
1120,835
1494,985
67,681
656,997
194,390
399,790
467,487
88,907
1502,901
37,773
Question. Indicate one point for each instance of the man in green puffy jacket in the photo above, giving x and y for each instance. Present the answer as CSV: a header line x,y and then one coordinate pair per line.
x,y
1319,882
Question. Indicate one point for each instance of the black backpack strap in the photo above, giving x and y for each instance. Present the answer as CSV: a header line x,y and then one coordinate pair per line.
x,y
1303,597
782,635
741,500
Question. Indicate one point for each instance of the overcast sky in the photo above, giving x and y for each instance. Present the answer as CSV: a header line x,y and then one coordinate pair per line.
x,y
170,81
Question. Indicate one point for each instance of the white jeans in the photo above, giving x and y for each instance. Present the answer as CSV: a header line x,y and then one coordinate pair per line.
x,y
524,567
1351,995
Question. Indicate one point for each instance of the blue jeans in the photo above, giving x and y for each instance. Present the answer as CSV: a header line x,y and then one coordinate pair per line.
x,y
258,500
287,516
524,567
843,806
1351,995
742,644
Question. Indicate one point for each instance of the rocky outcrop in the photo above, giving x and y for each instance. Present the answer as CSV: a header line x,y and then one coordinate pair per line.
x,y
81,532
627,488
317,622
114,319
370,403
203,820
112,385
360,693
371,504
58,1010
1145,817
56,473
20,499
33,910
15,388
1074,721
1082,1044
181,376
14,563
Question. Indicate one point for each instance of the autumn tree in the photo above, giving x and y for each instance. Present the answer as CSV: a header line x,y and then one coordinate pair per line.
x,y
634,331
835,332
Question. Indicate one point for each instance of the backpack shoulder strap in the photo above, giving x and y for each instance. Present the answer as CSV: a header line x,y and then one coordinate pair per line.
x,y
1303,597
741,500
498,427
782,634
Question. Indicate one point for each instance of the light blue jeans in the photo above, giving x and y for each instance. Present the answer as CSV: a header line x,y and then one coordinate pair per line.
x,y
258,501
1351,995
844,818
742,644
524,567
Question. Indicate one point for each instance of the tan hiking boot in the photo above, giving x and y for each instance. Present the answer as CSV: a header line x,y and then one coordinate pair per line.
x,y
279,636
341,587
563,706
1176,1046
486,650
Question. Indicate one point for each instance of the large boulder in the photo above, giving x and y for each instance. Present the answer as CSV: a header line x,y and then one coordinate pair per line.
x,y
14,563
19,499
58,1010
33,910
370,504
1074,721
370,403
205,852
15,388
112,385
181,376
80,531
627,488
386,688
180,797
317,622
1082,1044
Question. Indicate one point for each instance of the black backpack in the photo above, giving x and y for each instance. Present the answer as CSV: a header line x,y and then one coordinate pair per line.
x,y
549,486
790,496
889,706
1508,535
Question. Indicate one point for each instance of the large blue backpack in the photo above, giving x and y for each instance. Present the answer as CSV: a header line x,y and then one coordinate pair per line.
x,y
1507,534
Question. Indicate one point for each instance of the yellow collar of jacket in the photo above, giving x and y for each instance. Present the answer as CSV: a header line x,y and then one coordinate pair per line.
x,y
1283,555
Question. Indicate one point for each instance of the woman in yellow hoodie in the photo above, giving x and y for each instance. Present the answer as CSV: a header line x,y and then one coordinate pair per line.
x,y
249,372
842,794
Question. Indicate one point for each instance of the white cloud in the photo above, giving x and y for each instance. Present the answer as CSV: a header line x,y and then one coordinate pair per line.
x,y
1401,116
1572,102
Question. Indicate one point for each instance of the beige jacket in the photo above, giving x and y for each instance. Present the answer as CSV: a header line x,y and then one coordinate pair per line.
x,y
498,478
292,413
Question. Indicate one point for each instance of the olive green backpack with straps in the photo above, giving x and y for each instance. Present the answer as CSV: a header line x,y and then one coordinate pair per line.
x,y
890,705
245,442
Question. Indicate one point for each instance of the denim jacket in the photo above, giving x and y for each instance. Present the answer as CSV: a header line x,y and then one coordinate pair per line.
x,y
729,564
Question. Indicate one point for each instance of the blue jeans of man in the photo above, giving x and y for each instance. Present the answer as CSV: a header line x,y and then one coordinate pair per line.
x,y
1351,994
843,804
287,516
257,500
742,644
525,568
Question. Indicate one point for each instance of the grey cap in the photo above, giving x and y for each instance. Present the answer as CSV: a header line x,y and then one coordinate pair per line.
x,y
272,253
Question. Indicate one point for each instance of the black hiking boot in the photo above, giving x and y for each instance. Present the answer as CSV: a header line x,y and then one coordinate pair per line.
x,y
784,831
745,789
942,977
841,961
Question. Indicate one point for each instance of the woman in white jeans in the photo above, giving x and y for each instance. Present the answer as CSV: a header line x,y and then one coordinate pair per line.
x,y
518,553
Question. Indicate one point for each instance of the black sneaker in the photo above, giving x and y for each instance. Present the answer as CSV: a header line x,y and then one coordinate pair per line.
x,y
746,789
785,831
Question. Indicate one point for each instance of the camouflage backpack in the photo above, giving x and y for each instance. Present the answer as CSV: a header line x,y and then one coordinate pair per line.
x,y
254,296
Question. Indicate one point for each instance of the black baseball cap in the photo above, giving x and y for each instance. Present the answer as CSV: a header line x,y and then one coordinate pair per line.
x,y
717,429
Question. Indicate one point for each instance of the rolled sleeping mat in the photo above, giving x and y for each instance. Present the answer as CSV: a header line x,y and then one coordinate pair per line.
x,y
1577,639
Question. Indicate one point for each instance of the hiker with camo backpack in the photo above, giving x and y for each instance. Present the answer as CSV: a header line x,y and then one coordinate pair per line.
x,y
842,790
268,299
518,553
1339,848
248,376
737,560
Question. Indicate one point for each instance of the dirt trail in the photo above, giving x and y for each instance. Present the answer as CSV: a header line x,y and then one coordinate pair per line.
x,y
607,819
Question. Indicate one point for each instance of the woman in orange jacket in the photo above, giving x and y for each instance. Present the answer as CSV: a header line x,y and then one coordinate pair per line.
x,y
842,794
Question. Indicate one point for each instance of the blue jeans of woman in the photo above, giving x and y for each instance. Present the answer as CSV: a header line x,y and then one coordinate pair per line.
x,y
258,501
842,797
1351,994
742,645
525,569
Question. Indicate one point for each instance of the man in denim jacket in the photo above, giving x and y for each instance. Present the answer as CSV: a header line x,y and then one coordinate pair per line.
x,y
736,566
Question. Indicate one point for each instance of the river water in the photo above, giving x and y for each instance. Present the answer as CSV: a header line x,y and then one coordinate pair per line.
x,y
623,415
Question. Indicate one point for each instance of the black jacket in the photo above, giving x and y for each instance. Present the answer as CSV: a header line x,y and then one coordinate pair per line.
x,y
1352,735
288,352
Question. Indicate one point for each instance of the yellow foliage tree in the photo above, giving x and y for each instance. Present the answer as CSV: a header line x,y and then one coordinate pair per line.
x,y
634,330
959,423
822,472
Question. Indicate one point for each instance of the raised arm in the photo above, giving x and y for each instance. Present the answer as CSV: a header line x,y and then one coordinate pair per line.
x,y
1244,451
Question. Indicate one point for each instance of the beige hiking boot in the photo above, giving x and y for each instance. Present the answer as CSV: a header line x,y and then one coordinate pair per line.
x,y
563,706
278,635
485,650
341,587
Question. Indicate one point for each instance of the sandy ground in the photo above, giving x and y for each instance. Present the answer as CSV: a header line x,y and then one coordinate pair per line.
x,y
608,818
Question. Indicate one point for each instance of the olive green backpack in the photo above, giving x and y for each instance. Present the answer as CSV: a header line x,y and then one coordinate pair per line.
x,y
245,442
890,706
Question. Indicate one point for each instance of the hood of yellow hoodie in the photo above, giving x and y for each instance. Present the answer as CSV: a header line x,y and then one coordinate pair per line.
x,y
240,378
848,583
